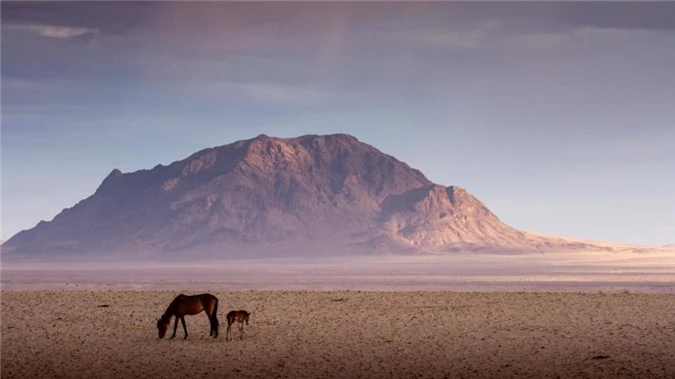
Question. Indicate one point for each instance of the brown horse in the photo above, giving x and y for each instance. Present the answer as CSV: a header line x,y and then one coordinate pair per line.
x,y
239,317
189,305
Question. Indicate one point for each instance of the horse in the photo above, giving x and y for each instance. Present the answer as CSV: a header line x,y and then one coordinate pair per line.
x,y
189,305
239,317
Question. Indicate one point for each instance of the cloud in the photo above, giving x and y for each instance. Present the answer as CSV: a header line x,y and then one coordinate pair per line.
x,y
53,31
584,37
468,38
282,93
620,15
265,92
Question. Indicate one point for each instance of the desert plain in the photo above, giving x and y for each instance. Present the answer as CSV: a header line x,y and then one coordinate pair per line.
x,y
89,323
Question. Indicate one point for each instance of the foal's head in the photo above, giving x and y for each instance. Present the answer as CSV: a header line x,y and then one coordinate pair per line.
x,y
162,326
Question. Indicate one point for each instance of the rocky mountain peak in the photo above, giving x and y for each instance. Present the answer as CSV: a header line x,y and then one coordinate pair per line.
x,y
309,195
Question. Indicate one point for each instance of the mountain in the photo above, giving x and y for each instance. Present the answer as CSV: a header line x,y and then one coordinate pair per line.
x,y
310,195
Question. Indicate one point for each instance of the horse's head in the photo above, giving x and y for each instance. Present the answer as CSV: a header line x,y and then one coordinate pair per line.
x,y
162,326
246,314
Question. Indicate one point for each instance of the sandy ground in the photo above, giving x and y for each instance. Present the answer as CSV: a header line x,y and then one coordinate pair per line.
x,y
343,334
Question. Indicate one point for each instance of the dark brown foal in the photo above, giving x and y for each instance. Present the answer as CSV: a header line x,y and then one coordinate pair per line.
x,y
240,317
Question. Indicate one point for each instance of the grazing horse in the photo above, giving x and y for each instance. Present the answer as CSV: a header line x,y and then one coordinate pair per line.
x,y
239,317
189,305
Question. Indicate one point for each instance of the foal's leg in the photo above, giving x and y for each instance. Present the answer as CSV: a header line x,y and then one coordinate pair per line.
x,y
241,330
175,326
228,333
182,320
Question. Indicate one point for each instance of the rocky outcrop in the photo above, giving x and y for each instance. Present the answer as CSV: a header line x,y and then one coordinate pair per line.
x,y
310,195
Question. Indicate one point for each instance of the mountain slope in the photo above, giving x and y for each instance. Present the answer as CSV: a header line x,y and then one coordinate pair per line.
x,y
308,195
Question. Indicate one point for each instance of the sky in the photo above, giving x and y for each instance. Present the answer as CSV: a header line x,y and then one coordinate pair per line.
x,y
559,116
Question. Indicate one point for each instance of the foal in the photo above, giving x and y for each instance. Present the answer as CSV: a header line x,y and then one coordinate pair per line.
x,y
239,317
189,305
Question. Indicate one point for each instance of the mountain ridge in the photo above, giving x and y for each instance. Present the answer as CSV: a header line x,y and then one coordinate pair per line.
x,y
307,195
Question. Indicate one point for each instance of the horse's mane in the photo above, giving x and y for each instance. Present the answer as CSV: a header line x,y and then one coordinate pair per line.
x,y
172,305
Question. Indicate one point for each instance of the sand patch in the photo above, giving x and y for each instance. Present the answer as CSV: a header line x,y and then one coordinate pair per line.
x,y
343,334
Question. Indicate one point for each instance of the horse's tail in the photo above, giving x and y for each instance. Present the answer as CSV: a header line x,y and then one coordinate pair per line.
x,y
214,317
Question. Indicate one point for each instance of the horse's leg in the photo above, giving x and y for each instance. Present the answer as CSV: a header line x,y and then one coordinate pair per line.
x,y
210,321
216,322
215,325
175,326
241,331
182,320
228,333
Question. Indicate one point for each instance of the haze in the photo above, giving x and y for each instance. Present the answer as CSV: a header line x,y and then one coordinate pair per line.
x,y
589,272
